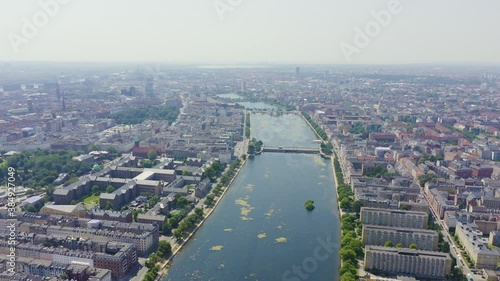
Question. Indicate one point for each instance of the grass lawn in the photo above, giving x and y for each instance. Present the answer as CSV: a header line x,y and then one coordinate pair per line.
x,y
91,200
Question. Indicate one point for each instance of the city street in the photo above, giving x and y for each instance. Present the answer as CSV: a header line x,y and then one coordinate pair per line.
x,y
454,250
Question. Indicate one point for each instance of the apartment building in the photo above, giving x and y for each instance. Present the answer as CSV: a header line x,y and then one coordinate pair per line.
x,y
119,258
377,235
477,246
144,242
394,218
425,264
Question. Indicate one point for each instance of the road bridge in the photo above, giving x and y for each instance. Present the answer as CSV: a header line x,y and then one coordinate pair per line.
x,y
283,149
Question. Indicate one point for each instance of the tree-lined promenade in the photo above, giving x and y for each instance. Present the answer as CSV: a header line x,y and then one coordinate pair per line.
x,y
247,125
326,144
352,248
190,224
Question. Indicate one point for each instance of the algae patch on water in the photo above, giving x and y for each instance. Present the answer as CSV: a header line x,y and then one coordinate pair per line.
x,y
245,207
246,219
269,213
221,266
261,235
245,211
228,229
242,202
216,248
281,240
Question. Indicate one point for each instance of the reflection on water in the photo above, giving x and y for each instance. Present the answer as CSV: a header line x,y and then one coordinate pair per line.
x,y
256,105
230,96
287,130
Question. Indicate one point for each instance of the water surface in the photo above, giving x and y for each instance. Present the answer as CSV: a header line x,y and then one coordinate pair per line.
x,y
261,230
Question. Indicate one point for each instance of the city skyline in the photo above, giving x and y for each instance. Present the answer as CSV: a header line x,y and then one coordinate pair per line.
x,y
234,32
249,140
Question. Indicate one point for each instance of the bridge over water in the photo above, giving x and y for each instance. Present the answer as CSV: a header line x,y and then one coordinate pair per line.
x,y
290,149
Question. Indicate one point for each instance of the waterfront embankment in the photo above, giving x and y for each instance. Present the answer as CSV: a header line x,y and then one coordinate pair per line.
x,y
261,230
207,212
310,125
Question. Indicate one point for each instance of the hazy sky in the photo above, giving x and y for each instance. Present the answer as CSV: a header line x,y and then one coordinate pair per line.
x,y
252,31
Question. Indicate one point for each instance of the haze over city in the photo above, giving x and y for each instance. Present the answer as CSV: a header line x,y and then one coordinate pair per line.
x,y
255,140
222,31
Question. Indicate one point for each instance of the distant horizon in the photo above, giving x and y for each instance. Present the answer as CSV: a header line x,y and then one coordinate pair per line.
x,y
326,32
249,63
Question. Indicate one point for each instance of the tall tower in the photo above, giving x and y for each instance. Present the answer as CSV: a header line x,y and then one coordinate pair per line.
x,y
58,92
30,105
63,104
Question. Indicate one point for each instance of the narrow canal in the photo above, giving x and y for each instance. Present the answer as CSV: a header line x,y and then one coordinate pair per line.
x,y
261,230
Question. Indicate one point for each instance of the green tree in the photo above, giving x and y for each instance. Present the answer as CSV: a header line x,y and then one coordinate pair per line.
x,y
348,267
356,206
348,277
135,213
413,246
348,254
136,115
149,276
309,205
110,189
399,245
32,209
444,247
209,200
146,163
388,243
404,207
152,155
173,222
345,203
110,206
154,258
186,173
164,249
96,190
181,202
357,246
210,173
178,234
199,212
153,201
347,237
166,229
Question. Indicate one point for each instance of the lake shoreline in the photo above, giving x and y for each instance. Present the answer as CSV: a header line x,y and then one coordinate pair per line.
x,y
167,263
